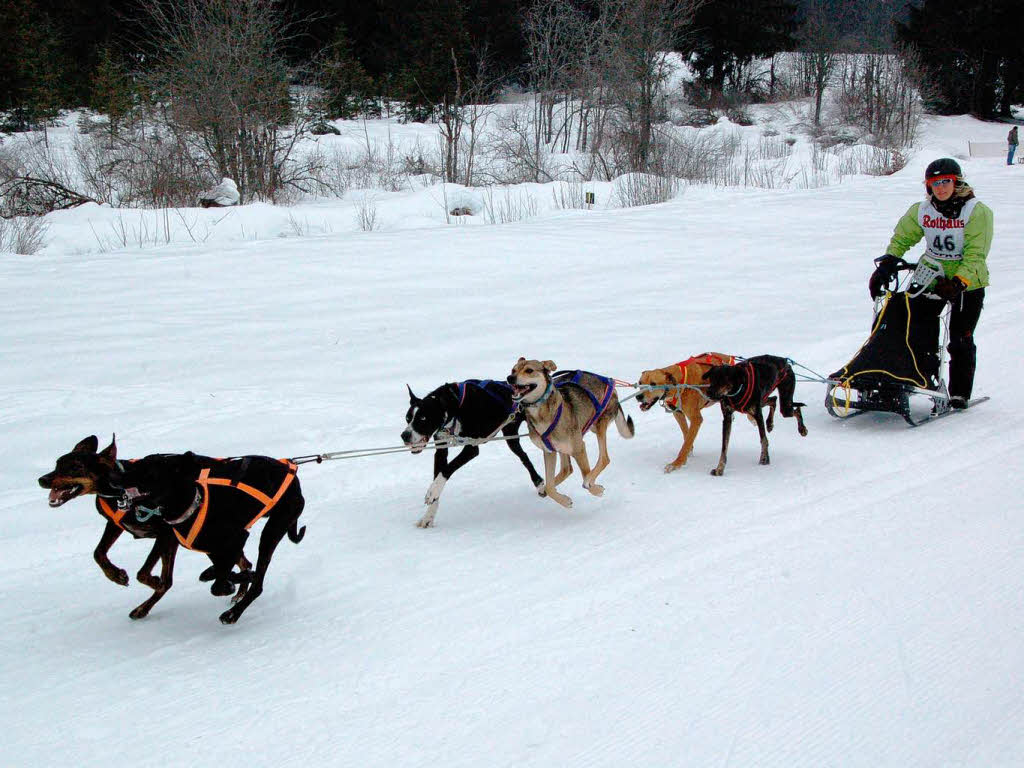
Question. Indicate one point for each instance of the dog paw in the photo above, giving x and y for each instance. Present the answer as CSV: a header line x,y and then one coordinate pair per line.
x,y
716,472
596,490
230,616
565,501
207,575
118,576
672,467
802,431
222,588
427,521
138,613
153,582
764,461
542,490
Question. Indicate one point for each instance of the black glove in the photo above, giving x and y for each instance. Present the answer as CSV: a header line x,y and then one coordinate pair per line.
x,y
949,288
885,267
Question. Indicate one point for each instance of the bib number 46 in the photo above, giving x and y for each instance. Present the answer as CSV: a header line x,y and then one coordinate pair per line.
x,y
946,243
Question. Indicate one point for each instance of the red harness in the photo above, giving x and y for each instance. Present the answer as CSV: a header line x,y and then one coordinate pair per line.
x,y
747,392
707,358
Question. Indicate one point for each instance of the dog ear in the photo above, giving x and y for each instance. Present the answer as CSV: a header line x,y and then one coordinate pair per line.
x,y
412,398
671,378
549,365
88,445
110,452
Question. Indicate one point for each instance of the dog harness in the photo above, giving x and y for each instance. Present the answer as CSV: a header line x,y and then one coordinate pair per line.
x,y
111,512
746,391
488,386
708,358
114,512
214,488
564,378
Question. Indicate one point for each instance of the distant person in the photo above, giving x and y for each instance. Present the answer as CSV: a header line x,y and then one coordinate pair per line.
x,y
1011,140
957,229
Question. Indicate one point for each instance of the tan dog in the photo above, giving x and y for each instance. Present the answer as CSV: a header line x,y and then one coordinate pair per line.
x,y
560,410
676,388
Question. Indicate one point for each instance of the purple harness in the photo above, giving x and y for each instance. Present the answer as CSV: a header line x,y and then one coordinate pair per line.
x,y
564,378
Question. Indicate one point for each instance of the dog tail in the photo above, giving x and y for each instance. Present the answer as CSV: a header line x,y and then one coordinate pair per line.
x,y
295,533
624,424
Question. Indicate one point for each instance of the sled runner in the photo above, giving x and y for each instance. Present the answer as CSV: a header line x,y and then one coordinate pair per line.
x,y
899,369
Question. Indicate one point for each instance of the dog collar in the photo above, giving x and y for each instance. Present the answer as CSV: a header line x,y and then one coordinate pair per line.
x,y
540,400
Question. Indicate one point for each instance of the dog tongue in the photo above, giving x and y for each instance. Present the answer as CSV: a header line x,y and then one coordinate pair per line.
x,y
55,495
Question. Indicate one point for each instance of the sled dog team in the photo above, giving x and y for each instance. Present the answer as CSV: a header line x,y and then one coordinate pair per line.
x,y
208,505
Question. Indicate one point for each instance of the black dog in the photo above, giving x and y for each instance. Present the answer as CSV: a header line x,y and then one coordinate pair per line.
x,y
210,504
747,387
84,471
471,408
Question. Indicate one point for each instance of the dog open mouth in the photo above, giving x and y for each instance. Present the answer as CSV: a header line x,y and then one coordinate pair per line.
x,y
59,496
417,444
646,405
519,391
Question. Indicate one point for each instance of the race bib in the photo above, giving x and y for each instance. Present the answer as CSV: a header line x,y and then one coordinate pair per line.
x,y
944,236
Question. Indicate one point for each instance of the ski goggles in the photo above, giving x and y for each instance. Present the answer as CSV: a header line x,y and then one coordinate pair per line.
x,y
948,178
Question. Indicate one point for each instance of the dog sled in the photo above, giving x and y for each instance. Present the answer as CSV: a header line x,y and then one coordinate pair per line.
x,y
899,369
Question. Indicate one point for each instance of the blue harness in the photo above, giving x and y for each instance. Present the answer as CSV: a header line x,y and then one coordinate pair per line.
x,y
500,391
565,378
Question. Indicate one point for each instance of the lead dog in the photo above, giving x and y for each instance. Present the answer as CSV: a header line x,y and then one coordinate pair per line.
x,y
746,387
473,408
210,505
560,410
84,471
678,388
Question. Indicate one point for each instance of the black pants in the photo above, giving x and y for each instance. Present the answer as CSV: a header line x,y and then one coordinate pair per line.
x,y
963,354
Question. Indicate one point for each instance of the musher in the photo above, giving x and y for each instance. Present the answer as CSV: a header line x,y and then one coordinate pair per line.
x,y
957,229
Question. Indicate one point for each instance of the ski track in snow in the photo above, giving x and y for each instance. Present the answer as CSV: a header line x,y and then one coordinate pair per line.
x,y
856,603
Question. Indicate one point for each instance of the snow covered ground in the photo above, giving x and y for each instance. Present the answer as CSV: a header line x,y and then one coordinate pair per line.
x,y
856,603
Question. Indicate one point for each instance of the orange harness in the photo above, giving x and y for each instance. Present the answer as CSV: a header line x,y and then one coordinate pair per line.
x,y
205,481
111,512
707,358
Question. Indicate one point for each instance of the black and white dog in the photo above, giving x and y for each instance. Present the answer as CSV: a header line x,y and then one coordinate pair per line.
x,y
473,408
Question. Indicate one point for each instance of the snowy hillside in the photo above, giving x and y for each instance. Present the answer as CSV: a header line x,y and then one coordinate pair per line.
x,y
855,603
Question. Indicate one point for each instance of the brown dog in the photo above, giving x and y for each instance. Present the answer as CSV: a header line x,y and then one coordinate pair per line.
x,y
679,389
560,409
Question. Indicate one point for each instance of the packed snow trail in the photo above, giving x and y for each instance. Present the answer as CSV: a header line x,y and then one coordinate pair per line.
x,y
855,603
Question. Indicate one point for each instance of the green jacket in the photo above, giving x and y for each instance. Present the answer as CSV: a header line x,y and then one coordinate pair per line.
x,y
977,241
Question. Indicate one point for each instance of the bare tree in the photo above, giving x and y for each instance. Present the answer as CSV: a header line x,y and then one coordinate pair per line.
x,y
641,35
460,117
878,94
222,79
819,52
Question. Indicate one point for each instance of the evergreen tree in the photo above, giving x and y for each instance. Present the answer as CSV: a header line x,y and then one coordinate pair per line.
x,y
112,93
731,33
30,81
434,54
970,53
348,91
